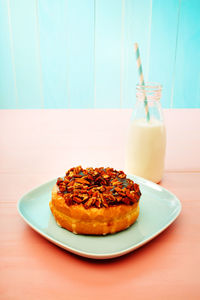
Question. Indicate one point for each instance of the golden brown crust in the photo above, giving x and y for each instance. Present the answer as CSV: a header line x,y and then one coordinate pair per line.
x,y
97,221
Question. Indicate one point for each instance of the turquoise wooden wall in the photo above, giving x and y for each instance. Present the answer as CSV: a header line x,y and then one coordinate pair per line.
x,y
79,53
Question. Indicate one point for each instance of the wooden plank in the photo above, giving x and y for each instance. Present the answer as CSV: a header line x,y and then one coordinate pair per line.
x,y
25,48
187,72
8,95
53,49
164,30
107,53
137,22
54,140
80,52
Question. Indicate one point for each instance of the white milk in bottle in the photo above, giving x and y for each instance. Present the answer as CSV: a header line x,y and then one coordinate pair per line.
x,y
145,149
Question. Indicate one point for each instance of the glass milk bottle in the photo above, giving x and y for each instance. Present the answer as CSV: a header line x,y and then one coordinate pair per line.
x,y
145,149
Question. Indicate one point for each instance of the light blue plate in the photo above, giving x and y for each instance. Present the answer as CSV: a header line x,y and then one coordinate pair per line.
x,y
158,209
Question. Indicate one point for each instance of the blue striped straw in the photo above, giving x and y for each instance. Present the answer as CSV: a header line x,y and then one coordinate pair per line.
x,y
141,79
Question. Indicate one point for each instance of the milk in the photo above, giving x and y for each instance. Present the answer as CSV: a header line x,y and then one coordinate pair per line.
x,y
145,151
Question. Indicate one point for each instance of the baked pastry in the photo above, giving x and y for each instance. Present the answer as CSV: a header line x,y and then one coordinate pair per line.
x,y
95,201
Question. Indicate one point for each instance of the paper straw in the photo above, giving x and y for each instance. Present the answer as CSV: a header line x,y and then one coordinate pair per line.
x,y
141,79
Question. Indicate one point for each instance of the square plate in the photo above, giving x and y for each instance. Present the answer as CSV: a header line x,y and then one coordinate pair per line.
x,y
158,209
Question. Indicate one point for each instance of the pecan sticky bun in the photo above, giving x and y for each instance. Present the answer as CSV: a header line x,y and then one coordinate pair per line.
x,y
95,201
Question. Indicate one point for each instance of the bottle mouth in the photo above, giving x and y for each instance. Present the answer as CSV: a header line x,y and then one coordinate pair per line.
x,y
150,86
150,91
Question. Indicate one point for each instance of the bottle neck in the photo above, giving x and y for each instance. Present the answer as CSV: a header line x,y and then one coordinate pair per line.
x,y
150,92
148,98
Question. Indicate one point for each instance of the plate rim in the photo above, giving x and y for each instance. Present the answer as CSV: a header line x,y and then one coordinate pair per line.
x,y
104,255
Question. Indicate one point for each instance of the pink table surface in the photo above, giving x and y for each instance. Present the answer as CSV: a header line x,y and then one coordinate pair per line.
x,y
38,145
